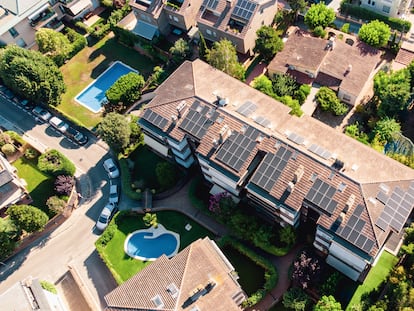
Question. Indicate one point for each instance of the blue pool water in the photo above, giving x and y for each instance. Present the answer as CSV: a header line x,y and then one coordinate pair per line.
x,y
93,96
141,244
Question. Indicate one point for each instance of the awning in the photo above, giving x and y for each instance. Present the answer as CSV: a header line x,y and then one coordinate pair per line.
x,y
145,30
37,12
80,6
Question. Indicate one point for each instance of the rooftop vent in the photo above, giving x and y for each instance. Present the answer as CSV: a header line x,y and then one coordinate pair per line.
x,y
290,187
338,164
173,290
157,300
349,203
348,70
298,174
224,133
341,187
174,118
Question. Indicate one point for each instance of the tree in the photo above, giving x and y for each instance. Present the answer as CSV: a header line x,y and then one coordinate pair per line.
x,y
27,217
53,44
264,85
327,303
64,184
203,50
156,77
284,84
9,235
393,92
297,6
302,93
115,131
165,173
268,43
55,163
31,75
330,102
126,90
293,104
319,15
223,56
385,128
375,33
296,299
305,270
8,149
287,235
55,204
150,220
180,51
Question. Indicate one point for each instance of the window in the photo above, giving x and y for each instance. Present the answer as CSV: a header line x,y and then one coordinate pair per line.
x,y
346,98
208,31
20,42
369,1
386,9
214,34
170,16
175,18
373,3
13,32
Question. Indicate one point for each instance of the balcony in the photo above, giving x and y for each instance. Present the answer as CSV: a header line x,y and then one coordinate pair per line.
x,y
42,18
55,24
173,5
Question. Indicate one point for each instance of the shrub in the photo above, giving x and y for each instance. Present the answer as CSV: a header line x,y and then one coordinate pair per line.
x,y
64,184
345,28
305,270
302,93
8,149
293,104
28,218
5,139
83,26
54,163
319,32
31,153
166,176
77,41
108,234
48,286
17,139
56,204
328,101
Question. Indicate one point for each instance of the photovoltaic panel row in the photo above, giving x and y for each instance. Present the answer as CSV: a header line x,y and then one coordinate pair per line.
x,y
244,9
155,119
398,207
271,168
251,132
211,4
316,149
321,194
235,151
194,123
262,121
296,138
247,108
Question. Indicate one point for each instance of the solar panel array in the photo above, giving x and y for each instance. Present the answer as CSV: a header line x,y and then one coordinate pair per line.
x,y
352,231
244,9
398,207
235,150
321,194
296,138
211,4
247,108
155,119
271,168
316,149
262,121
198,119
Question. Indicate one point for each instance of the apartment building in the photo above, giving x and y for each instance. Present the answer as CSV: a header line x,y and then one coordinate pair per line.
x,y
291,169
392,8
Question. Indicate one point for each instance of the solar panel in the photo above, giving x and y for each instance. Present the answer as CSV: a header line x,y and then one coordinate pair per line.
x,y
235,150
296,138
155,119
244,9
396,210
271,168
382,197
251,132
321,194
318,150
247,108
198,119
262,121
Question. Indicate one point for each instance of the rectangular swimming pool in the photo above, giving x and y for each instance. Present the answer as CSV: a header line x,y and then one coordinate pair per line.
x,y
93,96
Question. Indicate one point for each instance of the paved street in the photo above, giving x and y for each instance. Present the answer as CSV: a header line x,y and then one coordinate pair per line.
x,y
73,242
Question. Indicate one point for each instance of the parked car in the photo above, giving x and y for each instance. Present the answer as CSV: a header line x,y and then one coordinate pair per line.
x,y
113,194
111,168
8,93
76,136
42,113
25,103
105,216
59,124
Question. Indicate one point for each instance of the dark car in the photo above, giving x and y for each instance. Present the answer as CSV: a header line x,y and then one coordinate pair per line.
x,y
8,93
76,136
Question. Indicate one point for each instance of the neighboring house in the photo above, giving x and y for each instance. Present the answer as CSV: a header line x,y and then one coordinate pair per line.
x,y
392,8
291,169
235,20
20,19
29,295
12,188
198,278
343,67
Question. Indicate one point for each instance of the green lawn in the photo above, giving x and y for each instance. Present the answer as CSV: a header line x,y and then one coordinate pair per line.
x,y
374,278
39,184
125,266
86,66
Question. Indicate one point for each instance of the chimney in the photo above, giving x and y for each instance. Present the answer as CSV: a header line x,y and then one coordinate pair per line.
x,y
224,133
298,174
349,203
348,70
173,118
290,187
341,217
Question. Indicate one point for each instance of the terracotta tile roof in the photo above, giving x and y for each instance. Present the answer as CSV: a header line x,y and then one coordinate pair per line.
x,y
194,267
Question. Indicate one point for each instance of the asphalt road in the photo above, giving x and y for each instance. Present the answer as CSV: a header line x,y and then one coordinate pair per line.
x,y
73,242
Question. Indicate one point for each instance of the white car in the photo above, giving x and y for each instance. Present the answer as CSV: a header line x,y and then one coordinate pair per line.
x,y
105,217
59,124
113,194
111,168
41,113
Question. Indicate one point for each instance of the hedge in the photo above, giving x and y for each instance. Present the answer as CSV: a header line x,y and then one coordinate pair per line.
x,y
271,275
126,180
77,40
55,163
365,14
